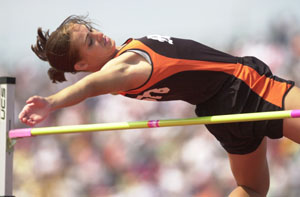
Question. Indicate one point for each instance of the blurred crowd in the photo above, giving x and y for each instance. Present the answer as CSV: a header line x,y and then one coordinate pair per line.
x,y
164,162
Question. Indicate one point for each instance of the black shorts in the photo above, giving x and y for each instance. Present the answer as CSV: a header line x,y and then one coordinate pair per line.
x,y
236,96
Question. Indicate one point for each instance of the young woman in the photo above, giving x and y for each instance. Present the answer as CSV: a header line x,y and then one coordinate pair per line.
x,y
161,68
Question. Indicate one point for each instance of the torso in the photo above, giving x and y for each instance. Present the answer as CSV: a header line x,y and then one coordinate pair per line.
x,y
181,69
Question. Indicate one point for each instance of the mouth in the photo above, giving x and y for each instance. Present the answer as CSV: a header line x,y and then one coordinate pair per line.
x,y
106,40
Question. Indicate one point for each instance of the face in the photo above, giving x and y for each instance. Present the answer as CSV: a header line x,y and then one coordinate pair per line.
x,y
95,48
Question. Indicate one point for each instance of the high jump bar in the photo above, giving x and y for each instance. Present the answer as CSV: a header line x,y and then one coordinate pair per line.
x,y
217,119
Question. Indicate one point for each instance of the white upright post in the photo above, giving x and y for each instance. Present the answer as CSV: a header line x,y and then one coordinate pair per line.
x,y
7,99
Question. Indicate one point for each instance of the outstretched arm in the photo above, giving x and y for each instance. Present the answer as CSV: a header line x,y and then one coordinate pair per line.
x,y
124,73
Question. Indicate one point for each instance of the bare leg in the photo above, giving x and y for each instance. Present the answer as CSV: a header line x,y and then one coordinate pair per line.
x,y
291,126
251,172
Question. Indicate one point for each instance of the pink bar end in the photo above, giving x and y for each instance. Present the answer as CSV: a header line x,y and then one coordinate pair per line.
x,y
20,133
295,114
153,123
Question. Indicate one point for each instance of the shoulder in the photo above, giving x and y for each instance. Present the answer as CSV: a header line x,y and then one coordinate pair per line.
x,y
131,68
128,59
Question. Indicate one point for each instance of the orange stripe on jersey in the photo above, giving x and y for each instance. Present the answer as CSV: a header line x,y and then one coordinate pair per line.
x,y
267,88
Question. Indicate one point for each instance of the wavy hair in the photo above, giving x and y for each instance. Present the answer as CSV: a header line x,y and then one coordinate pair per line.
x,y
56,47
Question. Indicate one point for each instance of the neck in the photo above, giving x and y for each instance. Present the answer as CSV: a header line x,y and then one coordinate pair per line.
x,y
116,52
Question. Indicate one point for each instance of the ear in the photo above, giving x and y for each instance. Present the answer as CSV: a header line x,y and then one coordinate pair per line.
x,y
81,66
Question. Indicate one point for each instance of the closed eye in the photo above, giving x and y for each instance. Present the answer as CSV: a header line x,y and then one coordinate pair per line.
x,y
91,41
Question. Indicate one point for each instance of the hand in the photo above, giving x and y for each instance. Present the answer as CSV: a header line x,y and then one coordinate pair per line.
x,y
35,111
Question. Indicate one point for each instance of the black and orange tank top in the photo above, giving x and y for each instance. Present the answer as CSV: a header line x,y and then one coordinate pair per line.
x,y
186,70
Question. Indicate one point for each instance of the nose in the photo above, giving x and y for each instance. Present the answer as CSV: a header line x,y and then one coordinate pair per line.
x,y
97,35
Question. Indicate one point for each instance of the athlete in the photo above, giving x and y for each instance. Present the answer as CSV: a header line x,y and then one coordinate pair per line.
x,y
162,68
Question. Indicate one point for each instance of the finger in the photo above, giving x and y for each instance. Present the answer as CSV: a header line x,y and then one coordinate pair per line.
x,y
32,99
24,120
23,112
27,108
31,122
21,115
